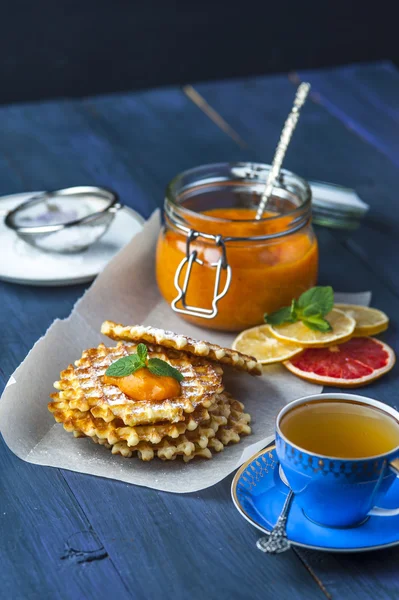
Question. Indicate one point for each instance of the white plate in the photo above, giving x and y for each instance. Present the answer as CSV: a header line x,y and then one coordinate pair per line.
x,y
21,263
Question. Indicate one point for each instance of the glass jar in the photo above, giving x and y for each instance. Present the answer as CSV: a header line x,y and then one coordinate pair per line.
x,y
216,264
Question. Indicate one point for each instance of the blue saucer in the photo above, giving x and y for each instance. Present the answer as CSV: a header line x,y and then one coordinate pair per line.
x,y
259,493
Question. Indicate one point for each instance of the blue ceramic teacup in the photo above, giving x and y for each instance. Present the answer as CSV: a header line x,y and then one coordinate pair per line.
x,y
337,492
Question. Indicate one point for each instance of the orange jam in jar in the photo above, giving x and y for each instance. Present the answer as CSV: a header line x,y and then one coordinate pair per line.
x,y
217,265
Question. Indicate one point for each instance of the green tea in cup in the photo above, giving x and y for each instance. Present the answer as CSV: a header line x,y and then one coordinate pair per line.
x,y
341,429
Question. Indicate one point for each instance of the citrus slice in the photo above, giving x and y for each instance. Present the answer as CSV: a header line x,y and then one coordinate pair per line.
x,y
357,362
261,343
369,321
297,333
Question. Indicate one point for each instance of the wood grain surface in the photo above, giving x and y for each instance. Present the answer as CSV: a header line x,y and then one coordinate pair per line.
x,y
70,536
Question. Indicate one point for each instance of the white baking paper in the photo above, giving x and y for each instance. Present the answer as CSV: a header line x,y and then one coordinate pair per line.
x,y
126,292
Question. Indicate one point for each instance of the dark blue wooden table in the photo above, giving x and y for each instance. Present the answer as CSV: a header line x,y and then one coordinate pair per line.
x,y
71,536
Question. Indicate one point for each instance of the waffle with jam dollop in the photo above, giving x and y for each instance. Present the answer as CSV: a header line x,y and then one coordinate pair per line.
x,y
203,418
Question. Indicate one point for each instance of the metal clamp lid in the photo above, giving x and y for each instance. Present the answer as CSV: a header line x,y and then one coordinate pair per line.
x,y
191,258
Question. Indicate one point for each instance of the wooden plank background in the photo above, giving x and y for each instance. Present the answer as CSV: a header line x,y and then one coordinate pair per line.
x,y
65,535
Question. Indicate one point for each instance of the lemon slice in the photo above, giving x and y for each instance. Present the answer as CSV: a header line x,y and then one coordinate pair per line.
x,y
261,343
369,321
342,325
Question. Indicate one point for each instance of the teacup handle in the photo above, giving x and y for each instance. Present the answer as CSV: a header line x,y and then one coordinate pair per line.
x,y
387,512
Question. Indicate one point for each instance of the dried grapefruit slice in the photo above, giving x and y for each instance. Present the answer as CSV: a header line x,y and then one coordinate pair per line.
x,y
297,333
369,321
357,362
261,343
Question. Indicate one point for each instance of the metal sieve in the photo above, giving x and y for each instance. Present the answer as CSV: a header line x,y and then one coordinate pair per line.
x,y
65,220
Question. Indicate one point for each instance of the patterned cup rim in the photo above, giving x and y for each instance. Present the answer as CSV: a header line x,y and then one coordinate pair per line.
x,y
344,397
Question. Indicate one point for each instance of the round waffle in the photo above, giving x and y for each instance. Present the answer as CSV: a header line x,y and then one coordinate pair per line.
x,y
211,435
116,431
167,339
82,389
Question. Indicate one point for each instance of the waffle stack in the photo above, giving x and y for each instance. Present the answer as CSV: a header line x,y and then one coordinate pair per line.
x,y
203,419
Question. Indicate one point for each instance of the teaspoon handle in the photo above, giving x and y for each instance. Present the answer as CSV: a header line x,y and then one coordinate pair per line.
x,y
277,541
282,146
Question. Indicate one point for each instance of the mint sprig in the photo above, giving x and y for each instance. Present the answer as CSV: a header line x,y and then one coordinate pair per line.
x,y
142,352
280,316
130,364
310,308
159,367
124,366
